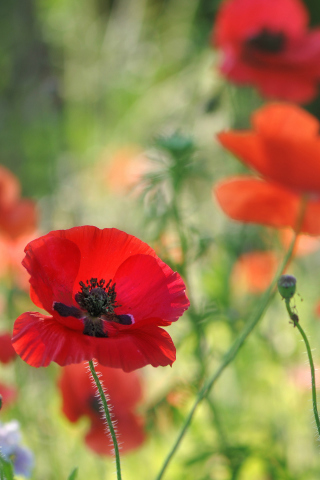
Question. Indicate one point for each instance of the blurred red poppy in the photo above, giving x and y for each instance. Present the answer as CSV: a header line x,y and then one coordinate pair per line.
x,y
254,271
267,43
125,392
7,352
11,256
17,216
284,148
125,170
107,294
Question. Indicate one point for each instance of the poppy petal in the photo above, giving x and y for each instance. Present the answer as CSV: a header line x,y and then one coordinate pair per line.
x,y
7,352
284,147
102,251
311,222
20,218
251,200
53,264
40,339
150,290
76,387
247,146
279,119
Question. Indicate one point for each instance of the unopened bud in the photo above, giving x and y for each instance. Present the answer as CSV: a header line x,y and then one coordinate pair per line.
x,y
287,286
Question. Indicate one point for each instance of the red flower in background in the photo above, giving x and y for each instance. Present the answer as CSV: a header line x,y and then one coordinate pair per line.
x,y
107,294
267,43
254,271
17,216
284,148
7,352
79,399
11,256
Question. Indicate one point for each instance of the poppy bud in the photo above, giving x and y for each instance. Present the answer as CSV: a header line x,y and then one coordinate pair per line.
x,y
287,286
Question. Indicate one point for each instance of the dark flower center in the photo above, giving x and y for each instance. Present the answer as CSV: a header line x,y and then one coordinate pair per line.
x,y
267,41
98,300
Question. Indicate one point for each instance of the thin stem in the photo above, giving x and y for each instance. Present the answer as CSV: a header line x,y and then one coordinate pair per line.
x,y
108,417
313,377
233,351
295,319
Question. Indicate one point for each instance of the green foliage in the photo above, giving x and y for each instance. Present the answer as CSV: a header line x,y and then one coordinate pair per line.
x,y
6,470
73,475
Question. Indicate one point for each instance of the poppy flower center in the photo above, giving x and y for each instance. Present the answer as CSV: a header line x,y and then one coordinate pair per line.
x,y
267,42
98,300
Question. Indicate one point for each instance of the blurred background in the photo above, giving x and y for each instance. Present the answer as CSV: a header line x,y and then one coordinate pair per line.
x,y
108,116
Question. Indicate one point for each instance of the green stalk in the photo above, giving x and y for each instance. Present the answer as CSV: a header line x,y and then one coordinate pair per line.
x,y
313,377
108,417
233,351
296,323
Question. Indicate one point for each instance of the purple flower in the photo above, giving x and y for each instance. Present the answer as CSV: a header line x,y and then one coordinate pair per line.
x,y
10,449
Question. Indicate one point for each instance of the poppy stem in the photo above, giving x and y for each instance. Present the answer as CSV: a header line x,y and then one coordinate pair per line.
x,y
108,417
313,377
295,319
233,351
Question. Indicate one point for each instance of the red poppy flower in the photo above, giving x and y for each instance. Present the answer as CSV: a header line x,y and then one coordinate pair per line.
x,y
7,352
125,392
254,271
107,293
284,148
267,43
17,216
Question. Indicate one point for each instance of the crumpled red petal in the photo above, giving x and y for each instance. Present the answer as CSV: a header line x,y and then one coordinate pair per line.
x,y
53,264
151,290
247,199
284,148
41,339
251,200
102,251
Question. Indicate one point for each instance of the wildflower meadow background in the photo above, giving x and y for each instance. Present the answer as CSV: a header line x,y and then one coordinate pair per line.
x,y
193,127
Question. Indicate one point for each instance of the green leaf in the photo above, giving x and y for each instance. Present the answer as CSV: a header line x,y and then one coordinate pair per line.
x,y
6,469
73,474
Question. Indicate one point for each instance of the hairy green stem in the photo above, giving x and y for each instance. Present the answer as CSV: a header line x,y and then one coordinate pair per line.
x,y
296,323
313,377
108,417
233,351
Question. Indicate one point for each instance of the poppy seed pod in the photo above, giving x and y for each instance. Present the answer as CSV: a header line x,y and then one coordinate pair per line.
x,y
287,286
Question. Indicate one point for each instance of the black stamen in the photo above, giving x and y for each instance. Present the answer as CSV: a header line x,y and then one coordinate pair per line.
x,y
65,311
97,298
94,328
124,319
